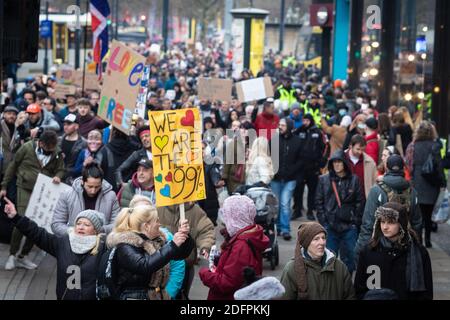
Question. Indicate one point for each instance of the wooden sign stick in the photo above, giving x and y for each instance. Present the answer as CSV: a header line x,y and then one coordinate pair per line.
x,y
182,214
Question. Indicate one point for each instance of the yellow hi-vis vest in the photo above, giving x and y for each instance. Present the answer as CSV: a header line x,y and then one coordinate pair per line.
x,y
288,96
316,115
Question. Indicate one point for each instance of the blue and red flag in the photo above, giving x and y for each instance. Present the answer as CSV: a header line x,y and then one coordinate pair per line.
x,y
99,21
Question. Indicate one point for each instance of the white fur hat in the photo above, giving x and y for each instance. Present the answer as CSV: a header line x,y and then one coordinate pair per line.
x,y
266,288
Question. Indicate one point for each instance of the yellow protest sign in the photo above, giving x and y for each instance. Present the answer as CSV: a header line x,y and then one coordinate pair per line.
x,y
177,156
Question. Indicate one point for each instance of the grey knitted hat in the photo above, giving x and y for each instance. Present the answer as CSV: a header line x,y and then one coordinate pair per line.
x,y
95,217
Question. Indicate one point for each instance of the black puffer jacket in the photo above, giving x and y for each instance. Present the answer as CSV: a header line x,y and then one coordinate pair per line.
x,y
349,191
289,155
135,265
59,247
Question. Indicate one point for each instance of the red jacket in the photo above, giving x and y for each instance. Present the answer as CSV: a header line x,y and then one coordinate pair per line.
x,y
373,147
236,255
267,122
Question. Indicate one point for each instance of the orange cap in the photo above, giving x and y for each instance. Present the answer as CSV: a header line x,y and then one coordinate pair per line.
x,y
33,108
337,83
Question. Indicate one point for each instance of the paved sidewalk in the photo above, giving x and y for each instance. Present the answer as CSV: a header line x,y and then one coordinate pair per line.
x,y
40,284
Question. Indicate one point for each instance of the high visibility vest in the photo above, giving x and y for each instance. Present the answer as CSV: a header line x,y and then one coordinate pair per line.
x,y
288,96
316,115
429,100
444,153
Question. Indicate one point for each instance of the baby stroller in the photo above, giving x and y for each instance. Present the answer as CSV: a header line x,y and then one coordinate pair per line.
x,y
266,216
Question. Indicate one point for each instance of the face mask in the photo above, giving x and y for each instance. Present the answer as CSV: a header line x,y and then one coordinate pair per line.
x,y
342,112
359,100
373,103
362,126
364,106
370,116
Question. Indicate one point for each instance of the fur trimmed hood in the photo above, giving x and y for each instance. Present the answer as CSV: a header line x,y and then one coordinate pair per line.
x,y
133,239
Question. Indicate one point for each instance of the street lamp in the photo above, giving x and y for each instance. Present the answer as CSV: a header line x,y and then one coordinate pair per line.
x,y
411,58
408,97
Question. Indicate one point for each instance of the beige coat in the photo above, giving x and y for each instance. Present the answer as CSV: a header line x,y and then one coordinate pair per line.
x,y
201,227
337,136
370,174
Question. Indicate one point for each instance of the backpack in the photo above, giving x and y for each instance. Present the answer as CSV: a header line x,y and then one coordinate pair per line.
x,y
107,287
404,197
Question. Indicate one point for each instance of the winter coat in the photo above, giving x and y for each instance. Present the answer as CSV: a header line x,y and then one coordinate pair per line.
x,y
244,249
177,271
201,228
406,134
289,157
47,122
337,135
392,266
133,188
130,165
103,157
373,146
350,195
370,173
66,259
71,159
426,192
266,122
312,147
330,282
259,171
143,264
377,197
10,143
89,123
26,167
211,204
71,203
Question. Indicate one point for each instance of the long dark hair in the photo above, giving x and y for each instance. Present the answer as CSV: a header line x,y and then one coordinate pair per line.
x,y
409,233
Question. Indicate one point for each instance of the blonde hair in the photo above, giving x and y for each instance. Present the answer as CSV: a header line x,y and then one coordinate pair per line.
x,y
131,219
139,198
260,148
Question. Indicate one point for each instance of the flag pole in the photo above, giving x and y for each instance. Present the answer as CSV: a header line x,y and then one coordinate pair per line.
x,y
85,45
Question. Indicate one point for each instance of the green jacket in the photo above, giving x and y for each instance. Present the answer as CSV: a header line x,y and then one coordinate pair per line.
x,y
331,282
26,167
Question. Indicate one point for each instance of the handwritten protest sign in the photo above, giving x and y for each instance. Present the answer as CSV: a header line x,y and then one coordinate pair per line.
x,y
215,89
61,90
121,86
64,74
254,89
177,156
43,201
90,80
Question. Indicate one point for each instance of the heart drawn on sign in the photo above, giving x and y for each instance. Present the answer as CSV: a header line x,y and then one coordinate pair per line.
x,y
159,178
169,177
165,192
188,120
161,142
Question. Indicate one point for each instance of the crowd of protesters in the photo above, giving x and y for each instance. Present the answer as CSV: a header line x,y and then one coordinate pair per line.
x,y
368,199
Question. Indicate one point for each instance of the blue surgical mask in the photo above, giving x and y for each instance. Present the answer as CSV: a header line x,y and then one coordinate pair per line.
x,y
342,112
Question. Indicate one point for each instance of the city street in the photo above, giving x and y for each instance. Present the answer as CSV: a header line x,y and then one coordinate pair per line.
x,y
40,284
